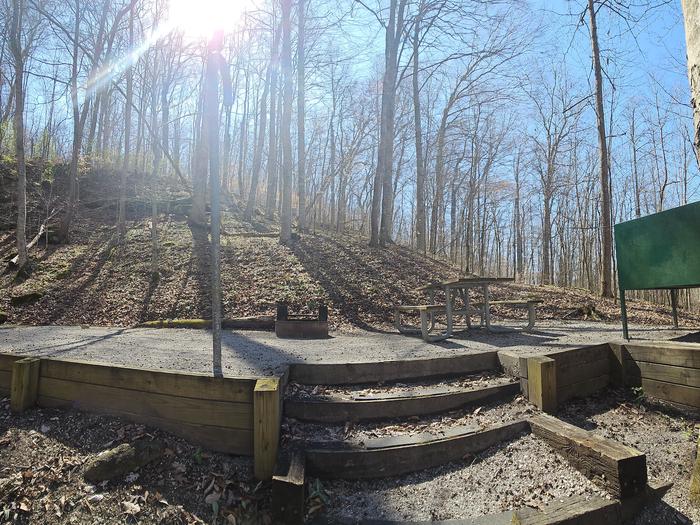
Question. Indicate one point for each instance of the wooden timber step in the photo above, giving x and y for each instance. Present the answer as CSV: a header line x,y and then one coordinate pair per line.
x,y
574,510
399,455
389,371
418,402
619,469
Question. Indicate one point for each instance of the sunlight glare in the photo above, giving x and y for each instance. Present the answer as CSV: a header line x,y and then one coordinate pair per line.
x,y
202,18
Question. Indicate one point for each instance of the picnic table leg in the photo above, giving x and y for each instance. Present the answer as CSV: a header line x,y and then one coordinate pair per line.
x,y
465,299
425,331
431,300
487,308
531,316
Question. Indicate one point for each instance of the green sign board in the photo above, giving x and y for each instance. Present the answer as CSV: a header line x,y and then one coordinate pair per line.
x,y
660,251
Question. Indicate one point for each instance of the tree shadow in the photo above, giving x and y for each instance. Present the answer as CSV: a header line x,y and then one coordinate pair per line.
x,y
78,435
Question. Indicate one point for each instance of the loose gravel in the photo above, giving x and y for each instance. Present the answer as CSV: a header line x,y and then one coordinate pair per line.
x,y
523,473
482,416
296,391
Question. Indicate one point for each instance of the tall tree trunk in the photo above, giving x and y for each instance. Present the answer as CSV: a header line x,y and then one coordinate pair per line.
x,y
418,127
605,196
121,220
271,196
691,11
382,198
285,132
18,121
301,115
547,240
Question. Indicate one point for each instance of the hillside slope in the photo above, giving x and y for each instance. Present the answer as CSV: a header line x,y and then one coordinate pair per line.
x,y
95,281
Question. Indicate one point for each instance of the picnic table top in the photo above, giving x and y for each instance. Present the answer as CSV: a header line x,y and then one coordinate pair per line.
x,y
465,281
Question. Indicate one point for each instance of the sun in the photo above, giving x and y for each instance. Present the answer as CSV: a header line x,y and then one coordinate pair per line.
x,y
202,18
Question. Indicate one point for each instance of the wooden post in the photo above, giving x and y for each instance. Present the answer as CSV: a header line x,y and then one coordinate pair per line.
x,y
288,495
266,425
25,383
542,383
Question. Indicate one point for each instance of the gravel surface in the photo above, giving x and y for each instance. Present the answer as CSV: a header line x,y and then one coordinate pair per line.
x,y
483,416
667,436
524,472
261,353
297,391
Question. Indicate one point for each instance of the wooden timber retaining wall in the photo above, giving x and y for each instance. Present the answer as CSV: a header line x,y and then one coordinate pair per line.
x,y
666,370
232,415
6,373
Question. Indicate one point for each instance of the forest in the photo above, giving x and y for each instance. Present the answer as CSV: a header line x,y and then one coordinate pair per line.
x,y
506,137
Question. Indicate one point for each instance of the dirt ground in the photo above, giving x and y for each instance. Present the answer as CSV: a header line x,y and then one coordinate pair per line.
x,y
261,353
42,454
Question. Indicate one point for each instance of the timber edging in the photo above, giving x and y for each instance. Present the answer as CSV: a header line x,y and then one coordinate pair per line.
x,y
404,454
377,408
387,371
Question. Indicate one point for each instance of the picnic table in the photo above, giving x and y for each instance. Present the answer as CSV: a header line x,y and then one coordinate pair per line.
x,y
460,287
453,289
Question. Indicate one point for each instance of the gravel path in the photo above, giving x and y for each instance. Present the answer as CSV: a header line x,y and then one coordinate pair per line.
x,y
261,353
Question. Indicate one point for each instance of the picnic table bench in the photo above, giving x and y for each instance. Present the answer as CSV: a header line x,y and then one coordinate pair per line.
x,y
530,304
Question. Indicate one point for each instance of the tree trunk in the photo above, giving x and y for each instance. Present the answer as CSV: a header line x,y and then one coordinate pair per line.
x,y
18,56
382,198
271,197
121,220
301,115
605,197
285,133
691,11
418,127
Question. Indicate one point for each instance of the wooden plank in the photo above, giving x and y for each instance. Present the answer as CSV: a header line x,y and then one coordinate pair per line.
x,y
375,408
619,469
542,383
6,361
665,353
576,356
681,394
182,384
266,425
578,510
510,362
668,373
373,372
188,410
578,373
584,388
25,382
421,437
393,461
5,381
288,494
220,439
